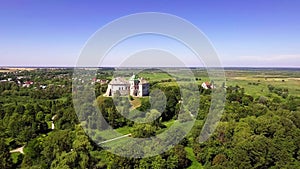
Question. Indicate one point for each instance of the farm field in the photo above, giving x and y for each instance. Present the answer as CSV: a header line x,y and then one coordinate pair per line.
x,y
256,83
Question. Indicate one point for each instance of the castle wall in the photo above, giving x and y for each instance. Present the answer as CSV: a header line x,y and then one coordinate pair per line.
x,y
123,89
134,88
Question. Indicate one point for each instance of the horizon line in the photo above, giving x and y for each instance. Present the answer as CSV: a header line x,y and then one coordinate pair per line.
x,y
44,66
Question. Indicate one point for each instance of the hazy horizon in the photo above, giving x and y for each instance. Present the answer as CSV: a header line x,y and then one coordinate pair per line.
x,y
225,67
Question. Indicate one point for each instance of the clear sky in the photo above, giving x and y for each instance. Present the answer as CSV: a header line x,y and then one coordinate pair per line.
x,y
244,32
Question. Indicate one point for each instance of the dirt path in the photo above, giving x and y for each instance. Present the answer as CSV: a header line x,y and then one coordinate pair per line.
x,y
127,135
18,150
52,122
135,103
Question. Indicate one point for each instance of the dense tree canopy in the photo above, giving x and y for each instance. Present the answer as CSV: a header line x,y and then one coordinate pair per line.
x,y
256,130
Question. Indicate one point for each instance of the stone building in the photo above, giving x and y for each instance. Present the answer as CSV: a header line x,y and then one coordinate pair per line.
x,y
134,86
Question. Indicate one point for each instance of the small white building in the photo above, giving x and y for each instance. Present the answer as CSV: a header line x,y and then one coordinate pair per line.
x,y
27,84
43,86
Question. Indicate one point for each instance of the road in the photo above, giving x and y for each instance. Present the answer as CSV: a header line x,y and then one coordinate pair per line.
x,y
106,141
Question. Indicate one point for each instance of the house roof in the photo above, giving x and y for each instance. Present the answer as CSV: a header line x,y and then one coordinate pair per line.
x,y
28,82
119,81
207,83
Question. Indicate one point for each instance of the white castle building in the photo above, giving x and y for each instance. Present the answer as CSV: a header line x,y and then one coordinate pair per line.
x,y
134,86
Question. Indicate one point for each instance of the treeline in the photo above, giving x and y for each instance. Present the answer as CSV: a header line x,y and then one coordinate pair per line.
x,y
23,123
261,132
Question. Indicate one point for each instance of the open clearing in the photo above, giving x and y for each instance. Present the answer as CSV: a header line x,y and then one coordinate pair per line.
x,y
3,70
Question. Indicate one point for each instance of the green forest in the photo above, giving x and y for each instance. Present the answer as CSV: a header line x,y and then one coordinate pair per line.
x,y
39,128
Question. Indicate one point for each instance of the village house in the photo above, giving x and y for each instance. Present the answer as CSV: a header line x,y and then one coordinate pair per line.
x,y
43,86
207,85
101,81
27,84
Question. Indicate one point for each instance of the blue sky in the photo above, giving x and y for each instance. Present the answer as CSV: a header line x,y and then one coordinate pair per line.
x,y
244,32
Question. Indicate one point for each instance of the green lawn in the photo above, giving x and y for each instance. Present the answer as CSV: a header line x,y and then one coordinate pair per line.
x,y
191,156
262,89
168,123
123,130
155,76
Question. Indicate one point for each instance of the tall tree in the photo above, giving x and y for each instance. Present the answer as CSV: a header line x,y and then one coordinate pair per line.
x,y
5,159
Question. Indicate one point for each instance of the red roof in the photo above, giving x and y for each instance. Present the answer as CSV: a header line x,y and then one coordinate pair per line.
x,y
28,82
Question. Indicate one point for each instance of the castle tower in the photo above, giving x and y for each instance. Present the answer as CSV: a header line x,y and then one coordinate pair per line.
x,y
134,88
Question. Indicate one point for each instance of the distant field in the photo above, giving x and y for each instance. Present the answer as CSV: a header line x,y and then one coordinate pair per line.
x,y
289,80
254,81
3,70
